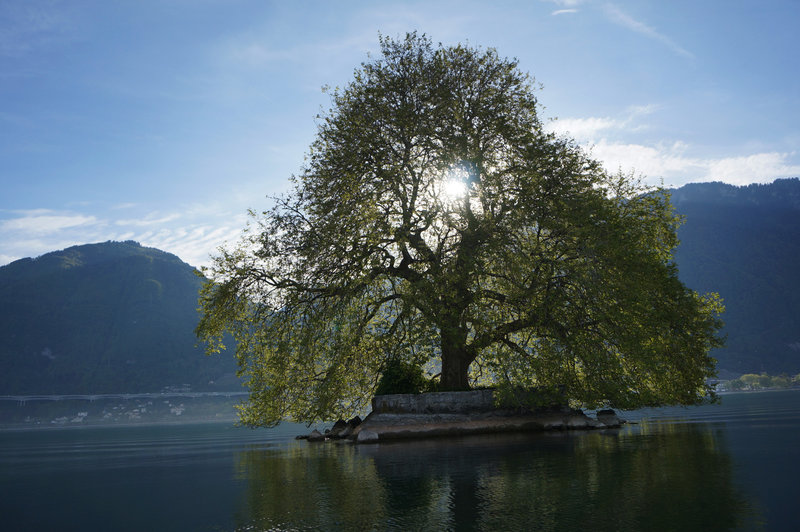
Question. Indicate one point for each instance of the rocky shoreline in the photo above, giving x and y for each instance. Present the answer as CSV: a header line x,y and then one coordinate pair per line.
x,y
397,417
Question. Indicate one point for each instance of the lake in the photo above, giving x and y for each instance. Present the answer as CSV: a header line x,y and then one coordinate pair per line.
x,y
732,466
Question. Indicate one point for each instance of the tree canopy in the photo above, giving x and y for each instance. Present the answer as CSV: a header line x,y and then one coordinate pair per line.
x,y
437,224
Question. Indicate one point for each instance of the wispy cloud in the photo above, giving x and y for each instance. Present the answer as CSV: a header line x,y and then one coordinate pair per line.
x,y
566,3
252,50
584,128
194,244
567,7
619,17
126,205
27,26
588,129
673,162
664,161
43,221
255,54
149,220
759,167
193,235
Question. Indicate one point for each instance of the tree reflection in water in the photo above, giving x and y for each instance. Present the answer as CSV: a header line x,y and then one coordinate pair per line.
x,y
647,477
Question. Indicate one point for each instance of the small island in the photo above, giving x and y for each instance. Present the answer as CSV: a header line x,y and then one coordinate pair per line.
x,y
436,414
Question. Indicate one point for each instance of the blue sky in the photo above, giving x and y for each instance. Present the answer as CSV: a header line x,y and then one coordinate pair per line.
x,y
164,121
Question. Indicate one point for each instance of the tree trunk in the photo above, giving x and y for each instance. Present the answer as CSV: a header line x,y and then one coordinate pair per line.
x,y
455,366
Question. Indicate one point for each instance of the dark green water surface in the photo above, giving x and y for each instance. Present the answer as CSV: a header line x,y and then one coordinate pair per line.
x,y
733,466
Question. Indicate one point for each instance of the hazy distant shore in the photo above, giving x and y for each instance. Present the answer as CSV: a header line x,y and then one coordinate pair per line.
x,y
60,411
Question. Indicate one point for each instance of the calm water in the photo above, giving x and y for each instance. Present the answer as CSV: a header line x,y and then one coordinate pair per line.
x,y
724,467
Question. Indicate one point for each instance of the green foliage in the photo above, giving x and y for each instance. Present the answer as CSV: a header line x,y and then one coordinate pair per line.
x,y
546,272
402,377
752,381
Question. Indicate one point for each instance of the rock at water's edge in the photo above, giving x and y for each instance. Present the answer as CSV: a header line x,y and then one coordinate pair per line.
x,y
367,436
609,418
316,436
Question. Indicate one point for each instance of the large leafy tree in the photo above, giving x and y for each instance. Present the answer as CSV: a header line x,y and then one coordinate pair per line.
x,y
437,223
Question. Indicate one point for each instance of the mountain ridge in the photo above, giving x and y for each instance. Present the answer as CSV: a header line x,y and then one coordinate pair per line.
x,y
103,318
744,243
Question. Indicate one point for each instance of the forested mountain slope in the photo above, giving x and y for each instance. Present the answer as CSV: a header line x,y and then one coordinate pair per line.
x,y
744,243
100,318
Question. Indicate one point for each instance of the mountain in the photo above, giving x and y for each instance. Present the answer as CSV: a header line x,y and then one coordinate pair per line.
x,y
102,318
744,243
118,317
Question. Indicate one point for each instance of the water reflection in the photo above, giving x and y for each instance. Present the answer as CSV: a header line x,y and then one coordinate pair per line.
x,y
648,477
321,487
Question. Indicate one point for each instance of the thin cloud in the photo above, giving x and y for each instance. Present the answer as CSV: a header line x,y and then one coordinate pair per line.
x,y
584,128
148,220
670,163
761,167
566,3
193,236
662,161
43,221
590,128
607,139
617,16
194,244
128,205
28,26
255,52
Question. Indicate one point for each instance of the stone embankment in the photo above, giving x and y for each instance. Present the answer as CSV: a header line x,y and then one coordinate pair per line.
x,y
407,416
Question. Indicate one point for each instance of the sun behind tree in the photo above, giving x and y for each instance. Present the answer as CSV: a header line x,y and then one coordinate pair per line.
x,y
437,223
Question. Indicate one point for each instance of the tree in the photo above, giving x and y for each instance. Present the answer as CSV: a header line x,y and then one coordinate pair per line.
x,y
437,223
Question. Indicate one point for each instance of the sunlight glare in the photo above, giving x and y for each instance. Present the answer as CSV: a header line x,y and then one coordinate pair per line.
x,y
453,190
453,186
